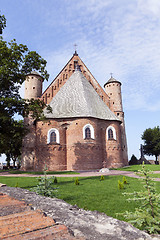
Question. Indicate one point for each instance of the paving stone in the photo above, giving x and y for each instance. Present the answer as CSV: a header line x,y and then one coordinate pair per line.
x,y
19,223
27,223
9,205
57,232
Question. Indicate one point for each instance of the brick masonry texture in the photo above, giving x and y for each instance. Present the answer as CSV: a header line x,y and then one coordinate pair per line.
x,y
27,223
73,151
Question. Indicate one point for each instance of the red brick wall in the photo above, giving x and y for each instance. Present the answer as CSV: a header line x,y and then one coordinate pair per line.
x,y
73,152
83,153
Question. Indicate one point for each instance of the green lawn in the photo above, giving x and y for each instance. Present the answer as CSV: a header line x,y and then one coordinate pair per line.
x,y
155,175
39,173
22,182
93,194
135,168
152,175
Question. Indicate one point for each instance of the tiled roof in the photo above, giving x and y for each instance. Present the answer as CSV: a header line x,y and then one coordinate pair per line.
x,y
77,98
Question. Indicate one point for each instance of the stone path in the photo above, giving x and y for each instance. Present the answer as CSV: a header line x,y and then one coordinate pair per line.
x,y
82,174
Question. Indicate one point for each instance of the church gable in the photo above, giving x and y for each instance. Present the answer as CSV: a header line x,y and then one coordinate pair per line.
x,y
65,74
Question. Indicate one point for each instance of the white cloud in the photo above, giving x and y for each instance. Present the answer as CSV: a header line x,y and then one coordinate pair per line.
x,y
150,6
112,36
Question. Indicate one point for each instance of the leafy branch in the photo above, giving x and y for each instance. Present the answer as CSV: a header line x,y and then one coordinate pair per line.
x,y
147,215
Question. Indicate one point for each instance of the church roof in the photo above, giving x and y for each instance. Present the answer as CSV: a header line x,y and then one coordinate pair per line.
x,y
78,98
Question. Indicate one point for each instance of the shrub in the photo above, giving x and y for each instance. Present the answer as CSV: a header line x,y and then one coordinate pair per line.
x,y
124,180
55,180
16,185
102,178
147,216
45,186
77,182
120,185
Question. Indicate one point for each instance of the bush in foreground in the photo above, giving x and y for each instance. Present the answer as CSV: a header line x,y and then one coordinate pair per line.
x,y
147,216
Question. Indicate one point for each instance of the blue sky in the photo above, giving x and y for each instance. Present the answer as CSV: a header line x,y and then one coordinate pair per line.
x,y
118,36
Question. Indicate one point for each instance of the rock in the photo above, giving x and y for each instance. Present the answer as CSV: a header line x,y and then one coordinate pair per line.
x,y
2,185
104,170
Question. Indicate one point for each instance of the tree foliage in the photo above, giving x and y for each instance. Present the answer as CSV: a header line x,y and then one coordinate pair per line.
x,y
147,215
2,23
45,186
151,137
16,61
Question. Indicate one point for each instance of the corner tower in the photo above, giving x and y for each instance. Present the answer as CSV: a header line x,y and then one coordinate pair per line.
x,y
33,86
113,90
33,89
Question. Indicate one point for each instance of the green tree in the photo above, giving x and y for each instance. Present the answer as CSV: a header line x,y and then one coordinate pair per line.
x,y
147,215
151,137
16,61
2,23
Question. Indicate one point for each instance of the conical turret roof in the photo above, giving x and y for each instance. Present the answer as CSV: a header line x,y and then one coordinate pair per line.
x,y
77,98
112,80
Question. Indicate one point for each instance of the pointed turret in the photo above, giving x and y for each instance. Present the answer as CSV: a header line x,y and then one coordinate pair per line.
x,y
113,90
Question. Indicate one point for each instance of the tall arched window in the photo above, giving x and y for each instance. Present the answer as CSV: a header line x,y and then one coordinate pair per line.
x,y
53,136
111,133
88,131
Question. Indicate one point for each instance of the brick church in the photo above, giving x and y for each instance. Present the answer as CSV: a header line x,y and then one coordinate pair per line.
x,y
84,131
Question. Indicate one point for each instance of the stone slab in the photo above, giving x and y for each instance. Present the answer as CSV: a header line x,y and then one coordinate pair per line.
x,y
85,224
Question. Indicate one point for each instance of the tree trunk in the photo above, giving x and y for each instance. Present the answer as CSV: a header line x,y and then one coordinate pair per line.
x,y
156,162
8,160
14,162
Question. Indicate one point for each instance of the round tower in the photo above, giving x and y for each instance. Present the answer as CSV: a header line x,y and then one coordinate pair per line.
x,y
33,89
33,85
113,90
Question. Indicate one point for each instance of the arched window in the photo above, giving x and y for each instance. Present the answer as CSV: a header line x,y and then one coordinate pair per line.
x,y
111,133
53,136
88,131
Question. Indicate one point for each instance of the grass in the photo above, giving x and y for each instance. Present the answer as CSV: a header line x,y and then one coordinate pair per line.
x,y
155,175
92,194
135,168
22,182
152,175
39,173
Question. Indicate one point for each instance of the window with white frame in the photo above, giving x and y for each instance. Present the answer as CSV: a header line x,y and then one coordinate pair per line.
x,y
88,131
111,133
53,136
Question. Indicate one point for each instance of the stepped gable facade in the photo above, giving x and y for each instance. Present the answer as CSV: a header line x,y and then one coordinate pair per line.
x,y
84,131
